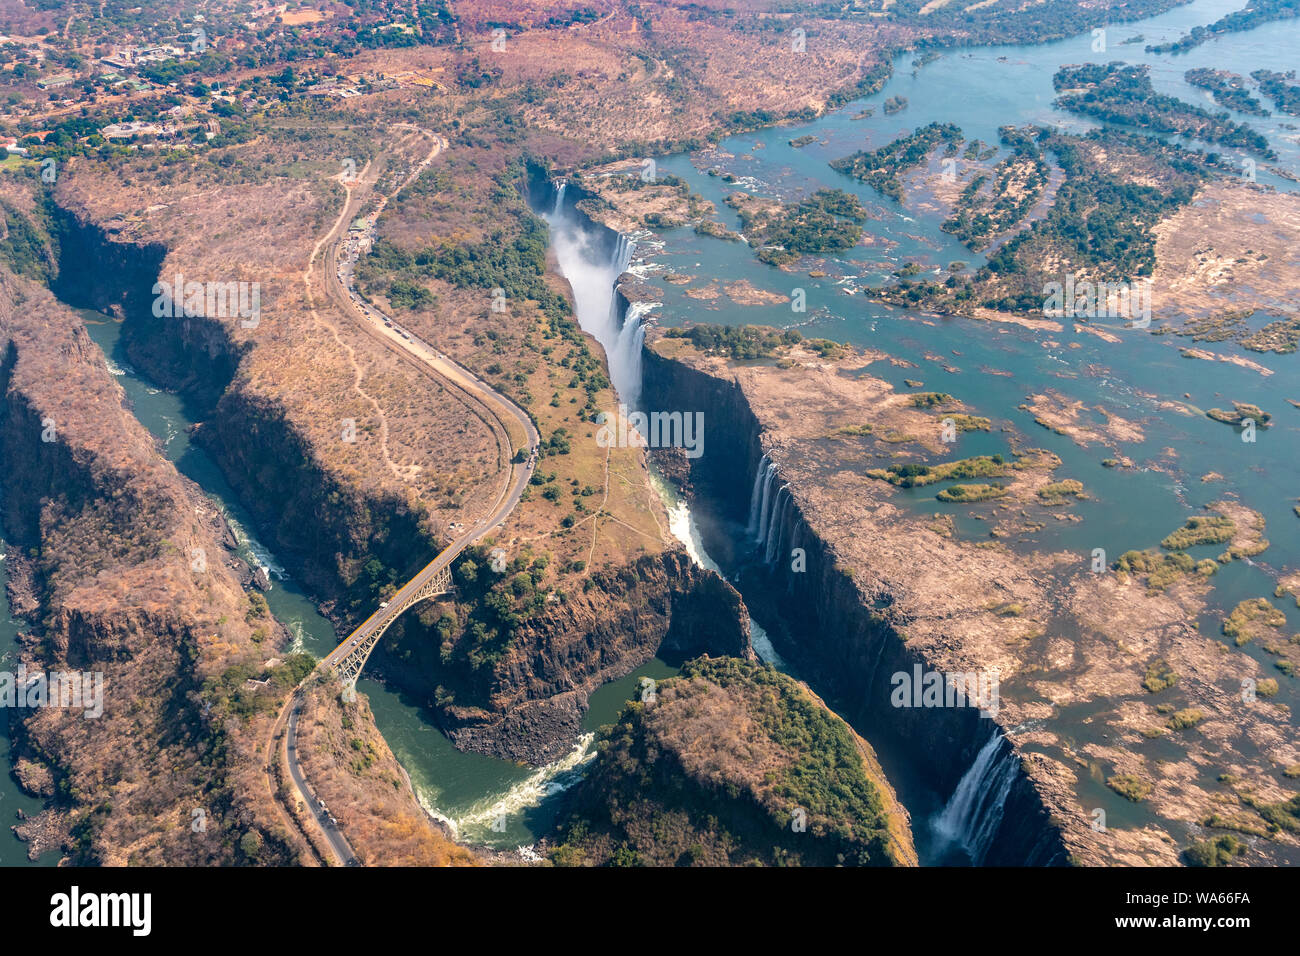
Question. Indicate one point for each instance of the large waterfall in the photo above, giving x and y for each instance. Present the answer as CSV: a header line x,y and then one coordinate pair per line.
x,y
592,269
627,352
769,504
760,497
973,814
592,258
593,274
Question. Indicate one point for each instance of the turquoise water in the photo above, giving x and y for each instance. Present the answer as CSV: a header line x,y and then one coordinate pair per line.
x,y
465,790
487,801
1137,378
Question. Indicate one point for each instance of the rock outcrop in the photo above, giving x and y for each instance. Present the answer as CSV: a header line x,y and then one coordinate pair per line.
x,y
733,763
134,591
530,706
841,629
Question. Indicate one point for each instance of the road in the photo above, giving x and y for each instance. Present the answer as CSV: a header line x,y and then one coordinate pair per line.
x,y
510,423
459,379
324,819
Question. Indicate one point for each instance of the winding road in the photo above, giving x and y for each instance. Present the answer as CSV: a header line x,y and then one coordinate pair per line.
x,y
511,425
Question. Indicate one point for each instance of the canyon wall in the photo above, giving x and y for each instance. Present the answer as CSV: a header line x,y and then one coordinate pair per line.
x,y
328,527
529,708
320,525
125,572
846,644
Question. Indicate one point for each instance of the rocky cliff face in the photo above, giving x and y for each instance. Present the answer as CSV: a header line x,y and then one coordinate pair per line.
x,y
325,528
531,704
328,528
114,593
845,642
322,526
733,763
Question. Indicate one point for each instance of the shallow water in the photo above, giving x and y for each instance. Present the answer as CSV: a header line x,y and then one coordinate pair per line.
x,y
1136,378
980,90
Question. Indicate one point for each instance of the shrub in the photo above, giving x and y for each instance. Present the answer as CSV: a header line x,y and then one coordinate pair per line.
x,y
1160,676
1130,787
1216,852
1185,719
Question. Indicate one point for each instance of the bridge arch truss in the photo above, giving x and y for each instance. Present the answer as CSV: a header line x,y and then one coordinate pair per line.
x,y
349,667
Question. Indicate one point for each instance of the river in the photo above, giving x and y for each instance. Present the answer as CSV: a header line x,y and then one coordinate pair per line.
x,y
467,791
980,89
995,367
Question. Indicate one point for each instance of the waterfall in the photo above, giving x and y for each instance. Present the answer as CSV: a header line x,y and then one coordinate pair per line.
x,y
974,812
622,257
625,359
767,511
683,528
754,495
768,480
772,538
768,521
593,268
559,198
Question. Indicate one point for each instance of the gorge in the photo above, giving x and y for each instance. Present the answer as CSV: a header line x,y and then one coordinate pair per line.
x,y
906,467
750,516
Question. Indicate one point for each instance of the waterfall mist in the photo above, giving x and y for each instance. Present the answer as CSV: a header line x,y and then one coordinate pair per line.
x,y
974,812
592,267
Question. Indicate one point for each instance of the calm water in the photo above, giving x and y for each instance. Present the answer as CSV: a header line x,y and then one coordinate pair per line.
x,y
980,90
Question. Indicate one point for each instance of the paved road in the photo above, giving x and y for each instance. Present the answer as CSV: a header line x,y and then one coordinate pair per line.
x,y
338,843
509,422
460,379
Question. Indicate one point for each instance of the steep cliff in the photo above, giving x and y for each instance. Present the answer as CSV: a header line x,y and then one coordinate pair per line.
x,y
528,705
353,521
323,523
733,763
130,585
840,628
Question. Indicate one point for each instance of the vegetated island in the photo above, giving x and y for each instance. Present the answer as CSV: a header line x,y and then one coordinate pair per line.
x,y
1252,15
879,168
1123,94
733,763
1228,89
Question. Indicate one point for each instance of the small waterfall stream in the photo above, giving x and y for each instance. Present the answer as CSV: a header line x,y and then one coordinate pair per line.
x,y
974,812
763,465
